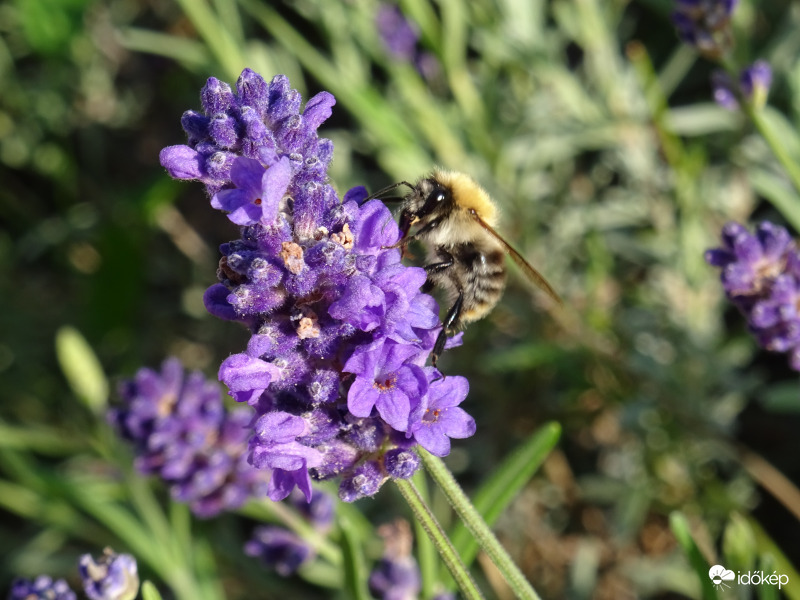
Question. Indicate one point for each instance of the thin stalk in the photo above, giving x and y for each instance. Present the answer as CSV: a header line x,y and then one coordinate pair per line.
x,y
449,555
426,552
778,149
483,535
267,510
756,115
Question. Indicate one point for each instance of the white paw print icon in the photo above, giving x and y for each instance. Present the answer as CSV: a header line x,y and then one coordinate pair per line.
x,y
719,575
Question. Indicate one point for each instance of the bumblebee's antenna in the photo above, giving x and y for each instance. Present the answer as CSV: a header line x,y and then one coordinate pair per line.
x,y
388,188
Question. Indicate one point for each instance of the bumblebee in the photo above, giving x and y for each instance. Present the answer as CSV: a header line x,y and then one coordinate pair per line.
x,y
454,218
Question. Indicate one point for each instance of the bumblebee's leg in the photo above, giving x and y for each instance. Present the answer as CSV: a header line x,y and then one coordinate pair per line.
x,y
450,322
439,267
405,239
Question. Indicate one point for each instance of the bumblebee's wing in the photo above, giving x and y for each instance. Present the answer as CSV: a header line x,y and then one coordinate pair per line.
x,y
532,274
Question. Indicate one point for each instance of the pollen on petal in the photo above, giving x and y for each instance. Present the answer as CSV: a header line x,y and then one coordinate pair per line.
x,y
292,255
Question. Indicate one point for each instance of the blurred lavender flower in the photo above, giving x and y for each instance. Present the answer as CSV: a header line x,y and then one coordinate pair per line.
x,y
761,276
705,24
755,82
182,433
399,35
724,90
41,588
319,512
400,38
113,577
282,549
340,329
753,85
395,576
279,549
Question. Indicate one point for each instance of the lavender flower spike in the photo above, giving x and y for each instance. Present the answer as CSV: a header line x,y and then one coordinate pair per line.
x,y
278,548
705,24
755,82
283,550
113,577
398,34
41,588
340,330
761,276
182,433
396,576
753,86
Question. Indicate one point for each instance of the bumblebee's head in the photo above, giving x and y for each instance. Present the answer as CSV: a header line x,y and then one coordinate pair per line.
x,y
429,197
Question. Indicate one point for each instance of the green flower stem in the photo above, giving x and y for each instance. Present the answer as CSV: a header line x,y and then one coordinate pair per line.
x,y
269,511
778,149
756,116
472,519
426,552
449,555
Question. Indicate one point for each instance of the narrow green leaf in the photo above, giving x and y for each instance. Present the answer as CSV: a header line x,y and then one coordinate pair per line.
x,y
767,591
82,369
355,568
427,557
227,49
739,544
192,54
782,196
682,531
149,591
44,440
765,545
494,496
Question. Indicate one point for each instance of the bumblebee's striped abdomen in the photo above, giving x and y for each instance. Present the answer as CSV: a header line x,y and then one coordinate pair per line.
x,y
480,272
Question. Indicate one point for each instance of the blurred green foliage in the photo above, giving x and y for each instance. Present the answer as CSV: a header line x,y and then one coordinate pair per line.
x,y
594,131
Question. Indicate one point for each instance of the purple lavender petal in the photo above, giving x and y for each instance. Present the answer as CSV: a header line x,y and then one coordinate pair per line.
x,y
182,162
318,109
246,377
112,577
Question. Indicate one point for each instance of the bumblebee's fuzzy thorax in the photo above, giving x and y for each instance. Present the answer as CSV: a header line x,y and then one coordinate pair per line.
x,y
467,194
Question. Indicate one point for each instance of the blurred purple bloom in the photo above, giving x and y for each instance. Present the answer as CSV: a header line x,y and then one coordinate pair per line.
x,y
182,433
753,86
398,34
705,24
724,90
319,512
278,548
761,276
41,588
400,38
755,82
282,549
112,577
395,576
340,329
